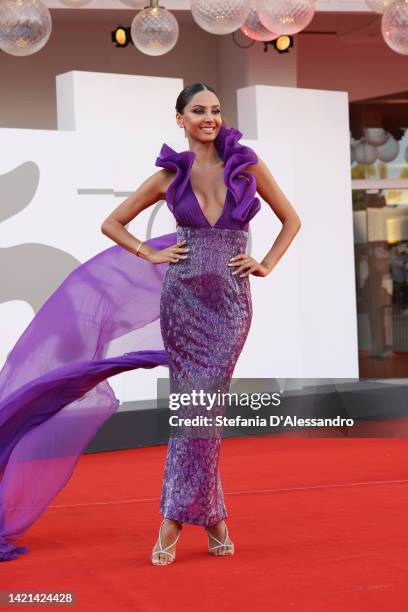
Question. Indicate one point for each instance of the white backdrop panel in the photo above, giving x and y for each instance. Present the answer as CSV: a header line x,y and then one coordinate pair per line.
x,y
315,125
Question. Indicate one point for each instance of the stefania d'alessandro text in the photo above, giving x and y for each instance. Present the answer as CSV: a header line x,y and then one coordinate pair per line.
x,y
257,421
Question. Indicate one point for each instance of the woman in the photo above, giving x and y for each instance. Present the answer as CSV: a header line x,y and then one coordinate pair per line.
x,y
205,309
54,395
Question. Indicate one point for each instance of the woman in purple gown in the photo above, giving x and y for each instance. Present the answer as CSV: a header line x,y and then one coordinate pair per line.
x,y
205,308
54,395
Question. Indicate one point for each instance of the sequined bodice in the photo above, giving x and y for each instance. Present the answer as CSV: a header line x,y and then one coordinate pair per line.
x,y
241,203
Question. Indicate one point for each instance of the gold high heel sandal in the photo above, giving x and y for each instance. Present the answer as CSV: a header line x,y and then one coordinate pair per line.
x,y
165,551
228,548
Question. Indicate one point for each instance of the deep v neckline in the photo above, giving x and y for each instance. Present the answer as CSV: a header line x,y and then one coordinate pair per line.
x,y
199,205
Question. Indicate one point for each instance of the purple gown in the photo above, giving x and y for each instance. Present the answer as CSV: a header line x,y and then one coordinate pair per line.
x,y
54,395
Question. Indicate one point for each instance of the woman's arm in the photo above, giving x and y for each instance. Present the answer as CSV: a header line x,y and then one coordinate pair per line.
x,y
149,192
269,191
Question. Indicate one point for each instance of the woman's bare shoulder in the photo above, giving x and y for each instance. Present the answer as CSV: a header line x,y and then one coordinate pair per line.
x,y
164,178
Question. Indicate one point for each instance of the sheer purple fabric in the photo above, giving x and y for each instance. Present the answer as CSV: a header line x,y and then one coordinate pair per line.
x,y
54,395
53,392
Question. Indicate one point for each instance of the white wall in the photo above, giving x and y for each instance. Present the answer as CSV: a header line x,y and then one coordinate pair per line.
x,y
312,314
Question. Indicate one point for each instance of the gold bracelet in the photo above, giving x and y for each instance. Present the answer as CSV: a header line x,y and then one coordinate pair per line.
x,y
138,248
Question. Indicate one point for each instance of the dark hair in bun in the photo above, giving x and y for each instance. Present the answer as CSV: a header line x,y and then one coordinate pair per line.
x,y
188,92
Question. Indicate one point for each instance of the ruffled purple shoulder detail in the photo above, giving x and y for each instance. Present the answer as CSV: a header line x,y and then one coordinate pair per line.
x,y
242,184
180,162
236,157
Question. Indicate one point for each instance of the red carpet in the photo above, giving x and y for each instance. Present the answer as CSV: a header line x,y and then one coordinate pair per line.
x,y
318,524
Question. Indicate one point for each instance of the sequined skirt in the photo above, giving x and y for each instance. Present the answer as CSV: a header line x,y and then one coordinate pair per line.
x,y
205,317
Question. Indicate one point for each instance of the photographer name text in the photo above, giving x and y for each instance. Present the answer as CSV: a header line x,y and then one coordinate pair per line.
x,y
257,421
